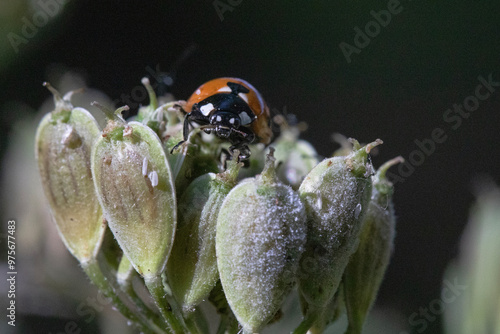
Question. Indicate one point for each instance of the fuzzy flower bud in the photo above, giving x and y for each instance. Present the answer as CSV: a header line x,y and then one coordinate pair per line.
x,y
192,266
260,236
366,268
336,194
63,144
135,188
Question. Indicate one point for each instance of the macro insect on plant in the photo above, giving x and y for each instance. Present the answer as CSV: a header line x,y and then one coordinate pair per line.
x,y
233,110
195,229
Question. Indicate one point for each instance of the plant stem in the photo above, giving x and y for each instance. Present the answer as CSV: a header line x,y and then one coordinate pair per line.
x,y
155,287
139,303
224,321
307,325
107,287
304,326
191,325
228,324
124,277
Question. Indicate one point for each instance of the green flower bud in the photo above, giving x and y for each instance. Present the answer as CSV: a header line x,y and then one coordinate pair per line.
x,y
135,188
365,271
297,157
192,266
260,236
336,194
63,144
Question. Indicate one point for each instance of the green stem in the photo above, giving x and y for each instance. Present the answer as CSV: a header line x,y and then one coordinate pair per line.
x,y
155,287
105,285
316,330
310,322
191,325
223,324
304,326
228,324
124,277
139,303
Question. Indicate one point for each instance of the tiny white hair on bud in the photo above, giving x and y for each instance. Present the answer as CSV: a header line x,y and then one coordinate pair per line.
x,y
145,166
153,177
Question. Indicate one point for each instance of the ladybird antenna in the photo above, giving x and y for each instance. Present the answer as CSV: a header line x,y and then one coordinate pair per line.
x,y
167,79
181,59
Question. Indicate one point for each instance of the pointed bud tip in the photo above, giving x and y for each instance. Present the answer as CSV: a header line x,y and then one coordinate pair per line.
x,y
111,115
269,172
370,146
153,101
383,169
380,180
355,143
54,91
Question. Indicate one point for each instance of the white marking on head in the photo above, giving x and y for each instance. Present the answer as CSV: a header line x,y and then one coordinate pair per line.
x,y
218,118
231,121
225,89
244,97
245,119
206,109
198,92
145,166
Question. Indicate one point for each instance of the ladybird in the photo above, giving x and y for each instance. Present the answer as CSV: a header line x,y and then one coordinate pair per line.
x,y
233,110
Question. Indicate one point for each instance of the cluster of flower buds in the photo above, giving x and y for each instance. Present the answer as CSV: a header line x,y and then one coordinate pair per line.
x,y
196,225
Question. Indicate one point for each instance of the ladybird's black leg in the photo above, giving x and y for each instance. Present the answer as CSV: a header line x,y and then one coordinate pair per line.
x,y
225,156
185,128
185,133
243,148
240,139
200,119
177,145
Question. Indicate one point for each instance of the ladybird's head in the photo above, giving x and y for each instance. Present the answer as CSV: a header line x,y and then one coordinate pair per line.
x,y
224,122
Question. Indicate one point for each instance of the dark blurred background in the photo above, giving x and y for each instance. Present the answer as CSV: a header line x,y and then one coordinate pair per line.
x,y
397,88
